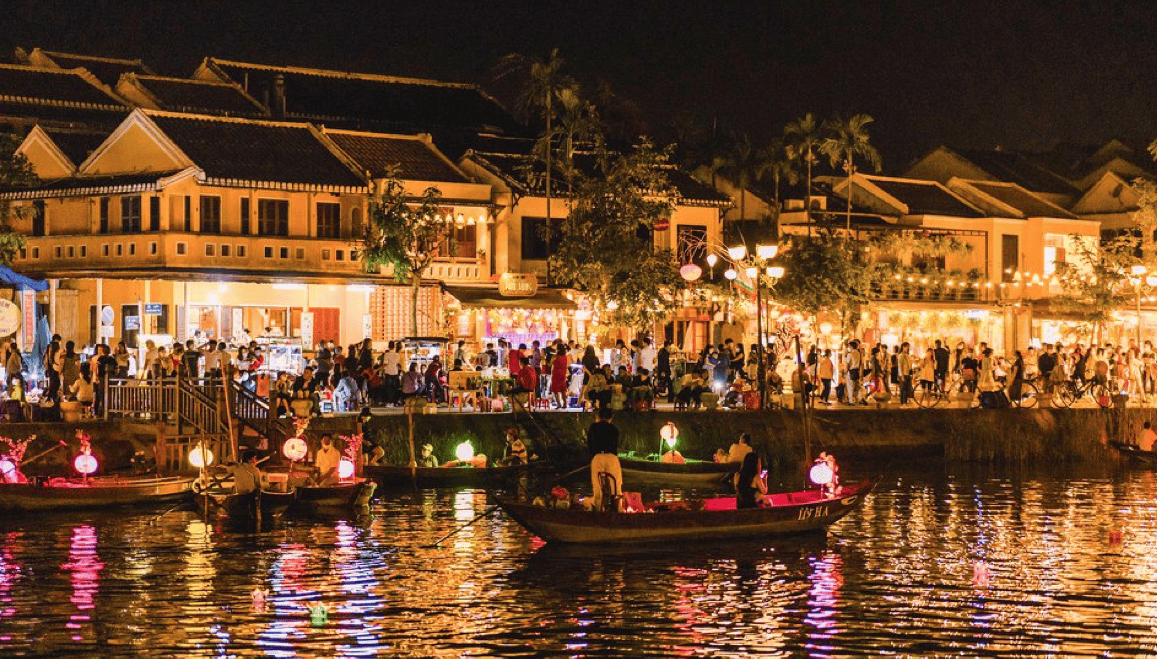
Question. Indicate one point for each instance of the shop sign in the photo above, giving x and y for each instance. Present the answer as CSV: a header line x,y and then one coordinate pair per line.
x,y
9,318
237,322
976,314
307,329
662,224
517,284
153,309
107,315
132,323
28,303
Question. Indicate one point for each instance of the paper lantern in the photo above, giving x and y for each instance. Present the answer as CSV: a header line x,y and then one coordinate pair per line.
x,y
200,457
821,474
85,463
669,433
464,452
295,448
345,469
712,259
8,470
690,272
730,273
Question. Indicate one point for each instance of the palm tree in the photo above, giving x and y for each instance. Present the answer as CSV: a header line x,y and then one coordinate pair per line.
x,y
543,82
780,167
803,139
578,122
849,141
744,165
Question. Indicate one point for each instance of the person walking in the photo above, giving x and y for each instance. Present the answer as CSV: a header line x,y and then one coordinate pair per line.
x,y
904,372
559,370
827,371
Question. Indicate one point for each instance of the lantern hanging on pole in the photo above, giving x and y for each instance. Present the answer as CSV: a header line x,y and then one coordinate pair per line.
x,y
200,457
345,469
295,448
85,464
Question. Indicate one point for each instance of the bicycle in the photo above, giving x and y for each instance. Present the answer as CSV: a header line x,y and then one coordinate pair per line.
x,y
930,396
1068,392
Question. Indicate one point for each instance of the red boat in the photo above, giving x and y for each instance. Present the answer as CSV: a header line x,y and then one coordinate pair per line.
x,y
704,519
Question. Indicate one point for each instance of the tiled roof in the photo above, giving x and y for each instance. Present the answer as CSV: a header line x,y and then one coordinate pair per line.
x,y
1022,200
27,84
82,185
256,151
76,145
526,173
378,154
106,69
45,114
198,96
924,198
1017,168
366,101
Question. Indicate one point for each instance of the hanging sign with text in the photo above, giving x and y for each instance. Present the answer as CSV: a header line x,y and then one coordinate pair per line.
x,y
28,304
9,318
517,284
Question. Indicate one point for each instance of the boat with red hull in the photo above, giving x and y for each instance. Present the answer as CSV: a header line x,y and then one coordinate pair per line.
x,y
704,519
80,494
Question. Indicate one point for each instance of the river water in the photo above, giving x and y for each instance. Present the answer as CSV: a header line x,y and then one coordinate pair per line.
x,y
899,576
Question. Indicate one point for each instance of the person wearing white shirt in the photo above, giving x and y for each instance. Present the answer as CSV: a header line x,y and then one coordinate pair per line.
x,y
326,461
648,356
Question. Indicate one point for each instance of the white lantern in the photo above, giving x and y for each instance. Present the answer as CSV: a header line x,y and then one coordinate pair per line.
x,y
766,252
821,474
464,452
345,469
730,273
669,432
200,457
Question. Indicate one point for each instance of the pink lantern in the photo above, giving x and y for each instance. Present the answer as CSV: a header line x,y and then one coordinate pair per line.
x,y
690,272
821,474
7,470
345,469
295,448
85,463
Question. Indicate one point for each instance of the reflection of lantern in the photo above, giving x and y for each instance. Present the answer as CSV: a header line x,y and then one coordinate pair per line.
x,y
8,470
669,433
690,272
464,452
295,448
345,469
200,457
85,463
821,474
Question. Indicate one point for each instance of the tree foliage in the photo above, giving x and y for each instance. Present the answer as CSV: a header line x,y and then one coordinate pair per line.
x,y
607,247
405,234
15,172
824,272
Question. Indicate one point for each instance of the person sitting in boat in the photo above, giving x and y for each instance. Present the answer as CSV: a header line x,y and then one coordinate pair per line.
x,y
738,453
325,461
247,476
428,458
375,456
1147,437
833,487
673,457
750,481
516,451
721,457
603,444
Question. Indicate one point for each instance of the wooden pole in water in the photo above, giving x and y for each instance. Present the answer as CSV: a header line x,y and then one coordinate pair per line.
x,y
413,460
807,426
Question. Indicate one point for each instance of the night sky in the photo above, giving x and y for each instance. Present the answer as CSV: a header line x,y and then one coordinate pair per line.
x,y
1017,74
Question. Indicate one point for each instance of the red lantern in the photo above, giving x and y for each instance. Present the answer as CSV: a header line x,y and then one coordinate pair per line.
x,y
295,448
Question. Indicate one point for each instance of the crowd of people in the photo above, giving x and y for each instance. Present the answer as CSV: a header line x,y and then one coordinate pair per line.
x,y
570,375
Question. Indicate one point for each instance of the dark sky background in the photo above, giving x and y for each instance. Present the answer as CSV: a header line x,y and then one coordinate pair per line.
x,y
970,74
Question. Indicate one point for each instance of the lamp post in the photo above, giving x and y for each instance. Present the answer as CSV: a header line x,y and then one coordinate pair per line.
x,y
1140,276
763,254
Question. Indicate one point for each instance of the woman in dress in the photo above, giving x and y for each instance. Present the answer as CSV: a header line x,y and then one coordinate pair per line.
x,y
559,369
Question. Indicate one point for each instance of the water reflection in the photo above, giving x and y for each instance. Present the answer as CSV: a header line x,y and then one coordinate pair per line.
x,y
897,577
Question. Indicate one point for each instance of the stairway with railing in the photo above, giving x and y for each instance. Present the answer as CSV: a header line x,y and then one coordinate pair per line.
x,y
252,411
187,413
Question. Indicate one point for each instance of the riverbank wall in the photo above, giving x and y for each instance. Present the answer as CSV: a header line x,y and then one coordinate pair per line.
x,y
1003,437
1013,437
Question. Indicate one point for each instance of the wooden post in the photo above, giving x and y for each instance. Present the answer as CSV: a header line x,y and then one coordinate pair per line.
x,y
807,426
176,398
233,429
104,395
413,460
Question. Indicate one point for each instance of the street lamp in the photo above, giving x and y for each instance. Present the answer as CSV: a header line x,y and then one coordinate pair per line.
x,y
763,253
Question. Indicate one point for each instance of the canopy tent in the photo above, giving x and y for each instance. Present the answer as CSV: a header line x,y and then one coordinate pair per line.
x,y
10,277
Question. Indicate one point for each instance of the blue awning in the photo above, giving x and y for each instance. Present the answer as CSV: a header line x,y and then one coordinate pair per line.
x,y
12,278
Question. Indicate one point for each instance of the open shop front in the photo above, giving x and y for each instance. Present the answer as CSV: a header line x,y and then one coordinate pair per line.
x,y
484,315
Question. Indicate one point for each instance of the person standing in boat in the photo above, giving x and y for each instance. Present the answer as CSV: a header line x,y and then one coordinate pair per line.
x,y
603,444
325,461
247,476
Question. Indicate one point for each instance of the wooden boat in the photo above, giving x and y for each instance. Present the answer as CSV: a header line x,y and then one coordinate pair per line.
x,y
312,499
1134,453
76,494
706,519
244,509
694,473
400,476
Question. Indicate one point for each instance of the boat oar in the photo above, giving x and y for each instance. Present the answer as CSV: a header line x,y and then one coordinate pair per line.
x,y
491,509
44,453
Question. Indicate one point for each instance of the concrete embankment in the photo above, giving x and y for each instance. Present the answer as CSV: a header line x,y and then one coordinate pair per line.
x,y
1015,436
1039,436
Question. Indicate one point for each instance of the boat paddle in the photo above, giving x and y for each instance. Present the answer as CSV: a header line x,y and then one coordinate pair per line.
x,y
44,453
491,509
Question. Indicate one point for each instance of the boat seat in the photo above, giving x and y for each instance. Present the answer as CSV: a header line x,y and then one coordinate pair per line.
x,y
779,499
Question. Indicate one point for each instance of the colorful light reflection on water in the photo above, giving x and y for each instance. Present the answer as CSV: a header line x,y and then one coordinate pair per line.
x,y
896,577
